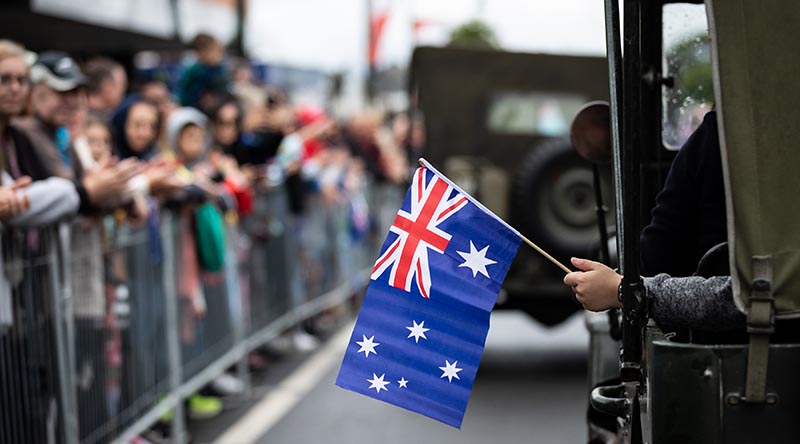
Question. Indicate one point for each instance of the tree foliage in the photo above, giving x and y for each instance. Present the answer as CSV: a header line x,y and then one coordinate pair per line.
x,y
473,34
690,63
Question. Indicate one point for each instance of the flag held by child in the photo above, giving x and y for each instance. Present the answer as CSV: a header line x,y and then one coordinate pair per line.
x,y
422,327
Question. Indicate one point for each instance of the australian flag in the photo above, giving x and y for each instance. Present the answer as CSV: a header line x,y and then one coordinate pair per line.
x,y
420,334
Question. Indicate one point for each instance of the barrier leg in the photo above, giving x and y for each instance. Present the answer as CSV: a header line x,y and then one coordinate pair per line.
x,y
58,241
173,337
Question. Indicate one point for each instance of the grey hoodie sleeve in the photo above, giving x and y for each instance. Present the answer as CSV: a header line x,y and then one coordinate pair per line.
x,y
693,302
52,200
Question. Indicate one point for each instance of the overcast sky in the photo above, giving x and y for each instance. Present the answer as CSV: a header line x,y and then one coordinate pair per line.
x,y
331,35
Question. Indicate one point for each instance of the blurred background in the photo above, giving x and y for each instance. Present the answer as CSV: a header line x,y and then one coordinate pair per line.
x,y
316,49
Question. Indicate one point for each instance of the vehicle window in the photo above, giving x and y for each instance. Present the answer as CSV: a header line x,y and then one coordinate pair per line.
x,y
688,61
532,113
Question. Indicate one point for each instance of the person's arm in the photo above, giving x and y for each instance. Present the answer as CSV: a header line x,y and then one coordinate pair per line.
x,y
674,302
51,200
106,187
693,302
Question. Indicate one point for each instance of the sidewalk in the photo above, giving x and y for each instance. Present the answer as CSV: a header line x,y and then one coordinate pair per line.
x,y
274,392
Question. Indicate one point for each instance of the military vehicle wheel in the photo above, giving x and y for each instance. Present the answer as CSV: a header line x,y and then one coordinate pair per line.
x,y
553,199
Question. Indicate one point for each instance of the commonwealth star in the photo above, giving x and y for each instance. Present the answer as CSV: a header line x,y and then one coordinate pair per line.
x,y
450,370
476,260
367,346
418,331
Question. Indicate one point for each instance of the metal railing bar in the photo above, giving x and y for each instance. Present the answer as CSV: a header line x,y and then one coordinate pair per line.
x,y
237,352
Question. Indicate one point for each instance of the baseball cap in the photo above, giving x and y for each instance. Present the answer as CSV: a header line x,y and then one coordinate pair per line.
x,y
58,70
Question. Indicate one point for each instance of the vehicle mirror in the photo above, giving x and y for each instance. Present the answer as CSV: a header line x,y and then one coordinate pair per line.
x,y
590,132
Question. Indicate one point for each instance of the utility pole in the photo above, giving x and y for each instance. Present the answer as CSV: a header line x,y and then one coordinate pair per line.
x,y
370,84
176,19
237,44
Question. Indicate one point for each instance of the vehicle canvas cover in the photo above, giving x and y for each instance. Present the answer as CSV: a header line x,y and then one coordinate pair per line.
x,y
756,67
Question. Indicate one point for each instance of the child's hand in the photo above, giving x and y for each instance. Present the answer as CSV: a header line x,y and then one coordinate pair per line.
x,y
596,286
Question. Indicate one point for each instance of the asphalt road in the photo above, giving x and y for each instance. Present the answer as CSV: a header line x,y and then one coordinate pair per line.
x,y
531,388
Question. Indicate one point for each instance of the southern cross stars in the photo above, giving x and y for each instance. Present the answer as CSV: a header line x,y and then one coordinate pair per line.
x,y
367,346
378,383
418,331
402,382
476,260
450,370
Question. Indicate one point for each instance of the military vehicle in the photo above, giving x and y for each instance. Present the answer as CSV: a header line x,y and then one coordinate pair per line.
x,y
495,123
705,386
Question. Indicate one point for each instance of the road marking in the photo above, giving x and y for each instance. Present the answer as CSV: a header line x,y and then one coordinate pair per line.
x,y
281,400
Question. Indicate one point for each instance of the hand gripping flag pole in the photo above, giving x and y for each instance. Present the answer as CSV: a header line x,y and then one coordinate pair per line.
x,y
422,327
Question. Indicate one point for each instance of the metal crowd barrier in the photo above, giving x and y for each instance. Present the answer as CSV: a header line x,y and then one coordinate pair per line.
x,y
104,330
32,339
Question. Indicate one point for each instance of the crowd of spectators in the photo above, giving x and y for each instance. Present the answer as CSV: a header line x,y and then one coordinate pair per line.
x,y
77,142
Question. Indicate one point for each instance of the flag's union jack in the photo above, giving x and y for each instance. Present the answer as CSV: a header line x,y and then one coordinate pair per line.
x,y
417,231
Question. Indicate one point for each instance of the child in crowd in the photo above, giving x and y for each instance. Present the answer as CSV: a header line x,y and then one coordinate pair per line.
x,y
201,245
186,136
201,83
98,138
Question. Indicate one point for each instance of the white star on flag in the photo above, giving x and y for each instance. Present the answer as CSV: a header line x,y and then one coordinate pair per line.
x,y
367,346
450,370
418,331
378,383
402,382
476,260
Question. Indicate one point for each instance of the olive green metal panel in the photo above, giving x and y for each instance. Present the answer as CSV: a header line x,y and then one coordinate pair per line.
x,y
684,394
695,395
757,86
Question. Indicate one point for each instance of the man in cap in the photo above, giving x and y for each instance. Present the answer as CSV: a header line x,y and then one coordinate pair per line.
x,y
58,101
40,202
57,95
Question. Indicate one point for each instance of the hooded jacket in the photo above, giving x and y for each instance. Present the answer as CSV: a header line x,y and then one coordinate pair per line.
x,y
180,119
123,148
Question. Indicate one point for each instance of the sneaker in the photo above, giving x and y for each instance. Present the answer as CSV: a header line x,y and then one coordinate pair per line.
x,y
280,346
227,385
203,407
304,342
166,418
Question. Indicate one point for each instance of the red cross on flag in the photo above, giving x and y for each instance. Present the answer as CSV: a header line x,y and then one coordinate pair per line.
x,y
417,231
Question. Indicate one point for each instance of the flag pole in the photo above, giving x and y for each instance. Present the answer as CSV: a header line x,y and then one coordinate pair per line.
x,y
426,164
545,254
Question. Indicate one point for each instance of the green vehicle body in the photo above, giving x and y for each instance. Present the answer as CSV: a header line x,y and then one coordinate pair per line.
x,y
482,112
742,389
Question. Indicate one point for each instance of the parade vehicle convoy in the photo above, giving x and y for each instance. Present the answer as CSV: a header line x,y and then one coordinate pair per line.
x,y
495,123
702,386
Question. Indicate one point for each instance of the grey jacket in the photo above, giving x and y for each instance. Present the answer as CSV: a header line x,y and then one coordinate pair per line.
x,y
52,200
693,302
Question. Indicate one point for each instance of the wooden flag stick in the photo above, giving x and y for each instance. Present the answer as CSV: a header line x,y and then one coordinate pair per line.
x,y
545,254
424,163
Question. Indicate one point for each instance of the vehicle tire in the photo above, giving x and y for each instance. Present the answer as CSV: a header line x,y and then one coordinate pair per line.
x,y
553,199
